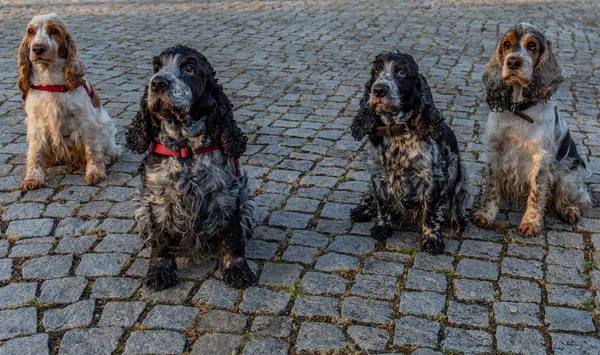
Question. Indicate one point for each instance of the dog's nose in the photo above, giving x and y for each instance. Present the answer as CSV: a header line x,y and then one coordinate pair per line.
x,y
159,83
379,90
513,63
38,49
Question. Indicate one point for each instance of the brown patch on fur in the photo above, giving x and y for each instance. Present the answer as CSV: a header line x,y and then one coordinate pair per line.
x,y
74,67
24,80
535,54
503,52
96,100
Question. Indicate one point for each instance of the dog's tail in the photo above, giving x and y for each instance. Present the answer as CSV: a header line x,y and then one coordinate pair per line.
x,y
247,208
462,194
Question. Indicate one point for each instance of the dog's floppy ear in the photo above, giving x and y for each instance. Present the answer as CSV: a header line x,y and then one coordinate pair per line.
x,y
24,65
74,67
547,74
143,129
221,125
366,118
498,95
427,122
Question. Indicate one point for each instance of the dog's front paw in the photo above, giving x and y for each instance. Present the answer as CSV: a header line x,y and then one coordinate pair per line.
x,y
381,232
238,274
162,276
432,245
571,214
482,220
361,214
31,184
95,177
529,228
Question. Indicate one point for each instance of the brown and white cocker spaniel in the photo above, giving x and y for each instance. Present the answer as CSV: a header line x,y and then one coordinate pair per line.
x,y
531,155
65,121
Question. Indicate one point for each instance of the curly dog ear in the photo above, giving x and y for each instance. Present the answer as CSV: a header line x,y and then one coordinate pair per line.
x,y
547,75
497,93
143,129
428,121
24,65
222,127
366,119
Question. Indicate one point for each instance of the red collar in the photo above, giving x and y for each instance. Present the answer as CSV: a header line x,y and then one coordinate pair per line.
x,y
60,88
182,153
187,152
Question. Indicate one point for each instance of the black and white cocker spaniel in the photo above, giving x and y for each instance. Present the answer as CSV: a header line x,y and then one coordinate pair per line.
x,y
413,156
193,199
531,155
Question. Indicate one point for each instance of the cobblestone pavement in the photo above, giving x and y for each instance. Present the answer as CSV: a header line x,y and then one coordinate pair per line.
x,y
71,263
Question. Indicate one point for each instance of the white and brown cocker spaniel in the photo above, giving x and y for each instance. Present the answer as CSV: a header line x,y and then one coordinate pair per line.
x,y
65,121
531,155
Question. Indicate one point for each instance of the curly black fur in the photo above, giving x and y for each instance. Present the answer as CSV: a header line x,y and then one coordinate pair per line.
x,y
547,75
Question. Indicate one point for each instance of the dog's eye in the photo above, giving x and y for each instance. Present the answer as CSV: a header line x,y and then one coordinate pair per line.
x,y
402,73
507,45
30,31
531,46
189,68
53,32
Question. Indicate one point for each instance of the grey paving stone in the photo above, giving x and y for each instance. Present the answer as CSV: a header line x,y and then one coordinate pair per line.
x,y
565,257
223,321
302,205
114,225
215,293
198,271
69,227
377,286
31,227
567,344
526,251
29,250
264,301
430,262
320,283
114,287
404,241
350,244
564,275
523,268
76,193
95,264
300,254
566,239
425,280
336,262
173,295
275,326
368,338
289,219
101,341
416,331
467,341
481,249
473,290
560,318
376,266
139,267
76,315
60,209
3,247
6,268
468,314
525,341
47,267
569,296
266,345
422,303
63,290
316,336
520,290
115,193
22,211
94,209
336,210
32,345
477,269
155,342
366,310
258,249
16,294
280,274
333,226
121,314
216,344
315,306
517,313
268,233
170,317
22,321
76,245
120,243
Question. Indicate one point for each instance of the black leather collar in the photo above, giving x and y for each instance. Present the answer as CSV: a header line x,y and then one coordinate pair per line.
x,y
396,129
517,110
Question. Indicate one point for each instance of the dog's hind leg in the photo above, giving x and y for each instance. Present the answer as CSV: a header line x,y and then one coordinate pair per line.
x,y
366,211
435,209
163,272
232,262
